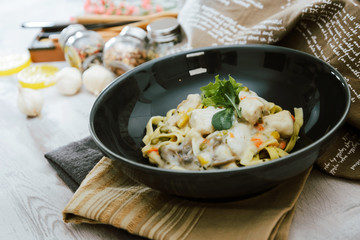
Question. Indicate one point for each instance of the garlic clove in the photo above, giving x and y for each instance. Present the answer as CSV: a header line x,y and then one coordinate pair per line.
x,y
96,78
68,81
30,102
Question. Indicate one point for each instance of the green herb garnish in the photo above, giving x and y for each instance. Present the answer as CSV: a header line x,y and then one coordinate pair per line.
x,y
222,93
223,120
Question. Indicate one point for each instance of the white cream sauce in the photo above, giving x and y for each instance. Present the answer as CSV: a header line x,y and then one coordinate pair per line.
x,y
204,147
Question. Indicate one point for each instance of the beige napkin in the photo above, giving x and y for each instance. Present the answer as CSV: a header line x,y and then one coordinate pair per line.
x,y
107,196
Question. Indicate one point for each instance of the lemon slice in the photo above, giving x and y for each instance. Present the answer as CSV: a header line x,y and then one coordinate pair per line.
x,y
38,76
14,63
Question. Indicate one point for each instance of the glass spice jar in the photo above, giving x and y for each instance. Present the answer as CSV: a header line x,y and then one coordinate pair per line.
x,y
81,47
163,35
125,51
68,32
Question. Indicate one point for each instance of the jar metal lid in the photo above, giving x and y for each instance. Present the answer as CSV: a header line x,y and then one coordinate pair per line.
x,y
134,32
163,29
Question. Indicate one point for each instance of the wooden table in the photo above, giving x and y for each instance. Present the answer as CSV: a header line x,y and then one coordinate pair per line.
x,y
32,196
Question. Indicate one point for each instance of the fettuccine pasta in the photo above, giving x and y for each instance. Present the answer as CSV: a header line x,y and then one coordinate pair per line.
x,y
185,139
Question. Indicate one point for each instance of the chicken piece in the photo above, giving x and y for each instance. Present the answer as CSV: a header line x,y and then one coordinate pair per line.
x,y
200,120
223,155
282,122
238,139
251,109
245,94
192,101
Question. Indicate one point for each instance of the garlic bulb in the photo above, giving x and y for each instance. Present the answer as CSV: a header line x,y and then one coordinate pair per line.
x,y
68,80
96,78
30,101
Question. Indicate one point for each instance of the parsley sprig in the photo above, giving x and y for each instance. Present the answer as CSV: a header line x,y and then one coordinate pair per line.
x,y
222,93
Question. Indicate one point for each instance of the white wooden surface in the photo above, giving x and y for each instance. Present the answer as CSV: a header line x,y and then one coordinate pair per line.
x,y
32,196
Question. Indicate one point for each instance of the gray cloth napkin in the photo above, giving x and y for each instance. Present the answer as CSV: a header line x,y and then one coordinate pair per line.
x,y
74,161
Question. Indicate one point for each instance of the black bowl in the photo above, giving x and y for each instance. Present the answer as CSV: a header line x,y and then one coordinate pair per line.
x,y
287,77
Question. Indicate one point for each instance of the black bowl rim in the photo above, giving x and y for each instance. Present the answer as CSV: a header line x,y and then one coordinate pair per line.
x,y
218,171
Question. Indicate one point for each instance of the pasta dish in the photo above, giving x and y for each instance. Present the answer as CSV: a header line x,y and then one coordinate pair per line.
x,y
226,126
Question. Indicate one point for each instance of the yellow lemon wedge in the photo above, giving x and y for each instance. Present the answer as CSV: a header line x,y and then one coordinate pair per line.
x,y
38,76
14,63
